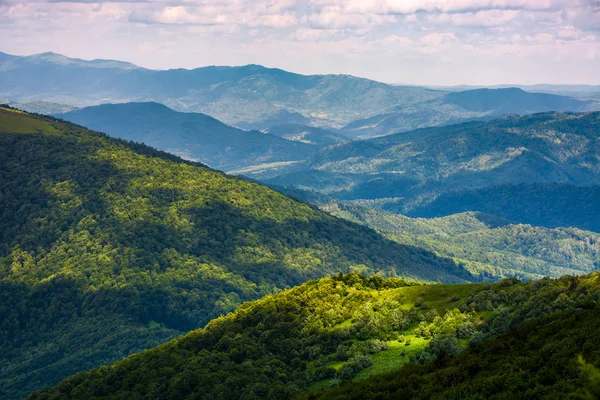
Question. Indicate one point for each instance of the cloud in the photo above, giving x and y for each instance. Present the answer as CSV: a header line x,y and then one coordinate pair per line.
x,y
432,40
413,6
334,17
569,32
435,39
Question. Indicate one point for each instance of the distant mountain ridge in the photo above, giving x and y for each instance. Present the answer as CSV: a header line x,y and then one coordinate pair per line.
x,y
241,96
193,136
256,97
454,107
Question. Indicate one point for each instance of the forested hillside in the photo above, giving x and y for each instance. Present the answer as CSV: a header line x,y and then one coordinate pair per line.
x,y
550,357
506,340
541,169
109,247
551,204
489,246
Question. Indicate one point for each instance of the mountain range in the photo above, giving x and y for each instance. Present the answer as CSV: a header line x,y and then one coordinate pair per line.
x,y
255,97
373,241
542,169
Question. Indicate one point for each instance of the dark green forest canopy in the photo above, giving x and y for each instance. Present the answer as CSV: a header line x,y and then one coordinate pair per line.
x,y
513,339
109,247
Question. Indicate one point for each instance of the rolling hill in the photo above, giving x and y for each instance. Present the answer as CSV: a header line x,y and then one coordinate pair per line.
x,y
378,339
487,245
193,136
109,247
454,107
514,167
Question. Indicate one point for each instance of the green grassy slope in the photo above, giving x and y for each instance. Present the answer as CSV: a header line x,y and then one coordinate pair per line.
x,y
350,327
535,360
109,247
487,245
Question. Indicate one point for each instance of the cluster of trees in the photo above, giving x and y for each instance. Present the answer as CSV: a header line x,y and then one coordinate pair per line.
x,y
488,246
109,247
332,329
541,354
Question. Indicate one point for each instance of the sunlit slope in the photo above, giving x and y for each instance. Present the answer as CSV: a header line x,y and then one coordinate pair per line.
x,y
550,357
350,327
109,247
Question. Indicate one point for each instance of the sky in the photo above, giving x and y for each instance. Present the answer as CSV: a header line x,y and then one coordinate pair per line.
x,y
422,42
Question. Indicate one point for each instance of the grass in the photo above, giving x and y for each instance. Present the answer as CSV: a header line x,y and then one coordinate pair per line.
x,y
397,355
14,121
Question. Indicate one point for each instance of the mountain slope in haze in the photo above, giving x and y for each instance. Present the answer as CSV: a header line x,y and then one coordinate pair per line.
x,y
109,247
551,205
255,97
407,172
454,107
349,327
486,244
43,107
512,101
190,135
251,96
307,134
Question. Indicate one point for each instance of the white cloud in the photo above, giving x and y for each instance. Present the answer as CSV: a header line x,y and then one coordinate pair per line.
x,y
435,39
511,40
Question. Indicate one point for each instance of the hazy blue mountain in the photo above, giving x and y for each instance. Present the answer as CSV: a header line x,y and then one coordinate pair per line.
x,y
307,134
512,100
256,97
567,90
281,117
414,172
454,107
247,96
190,135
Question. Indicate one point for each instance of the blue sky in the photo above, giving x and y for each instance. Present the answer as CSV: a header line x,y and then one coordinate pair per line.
x,y
436,42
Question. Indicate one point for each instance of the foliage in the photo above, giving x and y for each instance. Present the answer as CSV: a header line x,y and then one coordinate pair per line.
x,y
488,246
592,375
109,247
293,341
535,358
